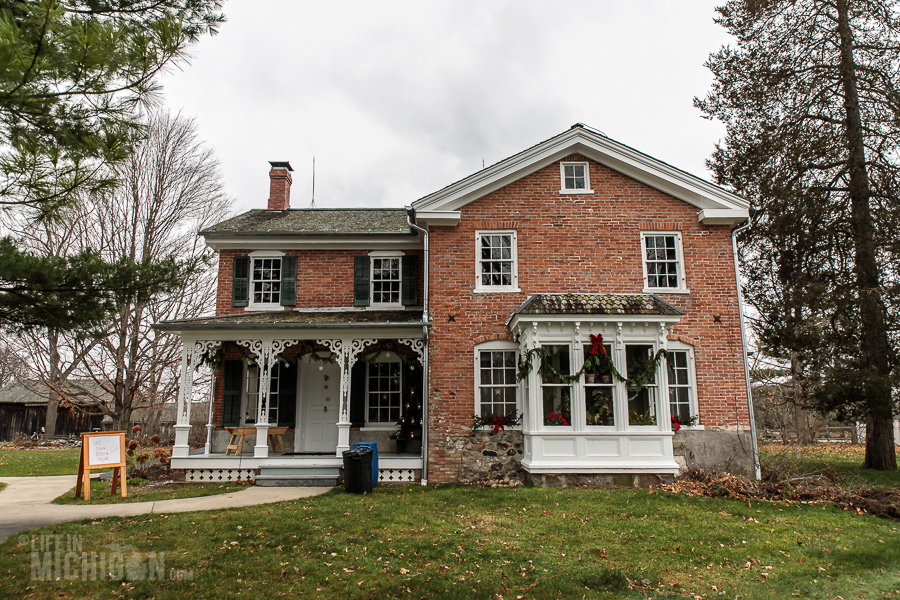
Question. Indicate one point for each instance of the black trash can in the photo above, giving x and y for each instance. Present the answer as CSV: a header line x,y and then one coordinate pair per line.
x,y
374,447
358,471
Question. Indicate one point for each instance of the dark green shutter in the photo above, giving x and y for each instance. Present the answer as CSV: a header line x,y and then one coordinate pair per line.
x,y
231,398
361,281
409,295
288,280
287,395
240,281
358,394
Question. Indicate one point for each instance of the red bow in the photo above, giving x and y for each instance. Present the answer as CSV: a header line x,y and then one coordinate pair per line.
x,y
498,424
597,343
676,423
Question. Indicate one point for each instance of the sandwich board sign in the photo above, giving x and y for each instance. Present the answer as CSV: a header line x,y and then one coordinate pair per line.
x,y
101,450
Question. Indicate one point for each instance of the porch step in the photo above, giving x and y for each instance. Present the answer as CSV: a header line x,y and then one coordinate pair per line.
x,y
289,476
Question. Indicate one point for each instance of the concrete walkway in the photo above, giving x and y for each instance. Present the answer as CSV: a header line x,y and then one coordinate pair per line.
x,y
25,502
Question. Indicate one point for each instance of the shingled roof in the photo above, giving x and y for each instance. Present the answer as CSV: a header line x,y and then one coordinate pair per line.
x,y
290,319
597,304
315,221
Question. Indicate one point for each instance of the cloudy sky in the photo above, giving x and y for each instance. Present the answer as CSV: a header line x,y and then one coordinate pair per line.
x,y
397,99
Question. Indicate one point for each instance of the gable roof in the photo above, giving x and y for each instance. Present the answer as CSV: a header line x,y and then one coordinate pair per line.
x,y
717,205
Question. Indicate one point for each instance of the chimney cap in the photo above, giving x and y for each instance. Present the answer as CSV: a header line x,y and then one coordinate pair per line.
x,y
281,164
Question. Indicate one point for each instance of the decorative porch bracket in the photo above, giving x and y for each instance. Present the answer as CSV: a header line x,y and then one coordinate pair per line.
x,y
346,351
191,355
266,353
418,346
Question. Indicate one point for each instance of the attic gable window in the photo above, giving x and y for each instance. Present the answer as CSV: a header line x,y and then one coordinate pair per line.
x,y
575,178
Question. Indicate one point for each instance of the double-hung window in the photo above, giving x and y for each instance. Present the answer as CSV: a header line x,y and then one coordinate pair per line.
x,y
384,392
264,280
682,395
599,389
251,391
575,178
386,280
495,379
496,257
556,392
663,262
641,400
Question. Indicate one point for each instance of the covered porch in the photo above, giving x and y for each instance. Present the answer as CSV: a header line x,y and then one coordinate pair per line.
x,y
298,389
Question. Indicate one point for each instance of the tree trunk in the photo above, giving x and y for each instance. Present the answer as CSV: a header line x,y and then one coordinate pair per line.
x,y
55,377
801,418
875,348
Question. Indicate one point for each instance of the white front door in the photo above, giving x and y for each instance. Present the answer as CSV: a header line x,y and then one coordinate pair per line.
x,y
320,393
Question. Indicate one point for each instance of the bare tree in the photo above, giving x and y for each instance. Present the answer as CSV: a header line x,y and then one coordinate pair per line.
x,y
171,189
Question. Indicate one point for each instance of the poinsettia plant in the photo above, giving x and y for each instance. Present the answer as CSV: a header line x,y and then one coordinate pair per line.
x,y
556,419
678,422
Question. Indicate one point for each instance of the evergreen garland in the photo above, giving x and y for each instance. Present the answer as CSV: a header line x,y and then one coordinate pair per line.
x,y
643,377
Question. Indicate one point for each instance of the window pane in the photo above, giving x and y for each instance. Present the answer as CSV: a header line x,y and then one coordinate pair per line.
x,y
558,359
639,408
599,405
557,406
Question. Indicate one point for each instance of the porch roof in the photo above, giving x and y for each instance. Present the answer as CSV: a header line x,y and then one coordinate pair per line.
x,y
597,304
292,319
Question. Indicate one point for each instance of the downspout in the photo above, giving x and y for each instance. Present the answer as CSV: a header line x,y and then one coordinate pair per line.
x,y
411,220
737,276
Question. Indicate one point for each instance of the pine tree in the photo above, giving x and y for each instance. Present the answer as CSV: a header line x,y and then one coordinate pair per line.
x,y
74,79
810,95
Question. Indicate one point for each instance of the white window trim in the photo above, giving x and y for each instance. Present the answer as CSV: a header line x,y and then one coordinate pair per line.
x,y
379,425
675,346
496,345
262,306
679,249
383,305
488,289
587,177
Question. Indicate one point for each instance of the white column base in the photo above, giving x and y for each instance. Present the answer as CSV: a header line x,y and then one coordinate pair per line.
x,y
207,449
261,449
343,438
181,448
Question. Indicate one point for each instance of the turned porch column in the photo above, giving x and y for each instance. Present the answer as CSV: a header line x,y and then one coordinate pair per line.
x,y
192,352
345,351
266,353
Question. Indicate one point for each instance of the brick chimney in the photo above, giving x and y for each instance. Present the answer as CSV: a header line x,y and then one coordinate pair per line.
x,y
280,185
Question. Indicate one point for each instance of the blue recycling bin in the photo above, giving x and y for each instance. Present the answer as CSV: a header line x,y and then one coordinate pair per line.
x,y
374,447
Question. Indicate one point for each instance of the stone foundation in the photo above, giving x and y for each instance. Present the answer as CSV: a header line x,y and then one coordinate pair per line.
x,y
486,457
714,450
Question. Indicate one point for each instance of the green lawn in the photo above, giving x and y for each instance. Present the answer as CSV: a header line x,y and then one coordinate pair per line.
x,y
37,462
843,459
472,542
100,492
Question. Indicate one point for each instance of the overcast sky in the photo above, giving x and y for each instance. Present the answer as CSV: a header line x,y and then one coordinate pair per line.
x,y
397,99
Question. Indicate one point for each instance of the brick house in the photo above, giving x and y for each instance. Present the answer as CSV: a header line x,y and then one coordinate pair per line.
x,y
330,326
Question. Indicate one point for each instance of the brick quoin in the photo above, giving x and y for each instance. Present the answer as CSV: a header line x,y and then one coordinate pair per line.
x,y
577,244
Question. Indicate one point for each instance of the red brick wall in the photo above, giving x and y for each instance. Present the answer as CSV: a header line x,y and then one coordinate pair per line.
x,y
324,278
587,244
